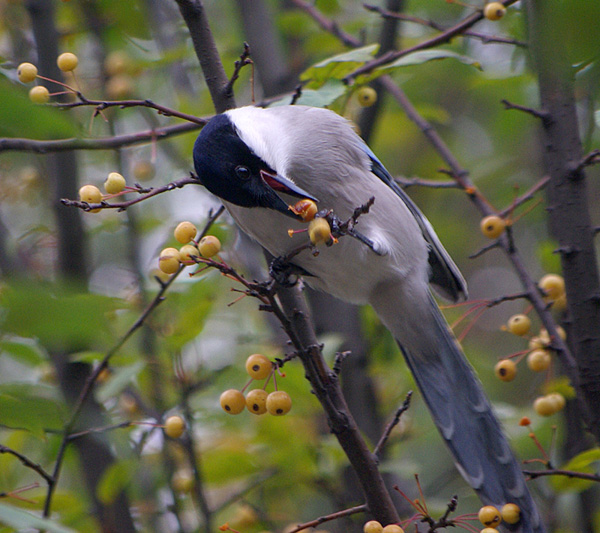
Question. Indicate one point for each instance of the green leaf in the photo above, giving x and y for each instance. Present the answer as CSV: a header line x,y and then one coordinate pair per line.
x,y
20,519
419,57
580,463
120,379
338,66
25,351
114,480
19,117
330,91
30,407
58,317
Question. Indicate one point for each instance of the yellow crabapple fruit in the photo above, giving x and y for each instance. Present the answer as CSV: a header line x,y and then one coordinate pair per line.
x,y
279,403
392,528
256,401
26,72
185,232
511,513
489,530
494,11
90,194
505,370
39,94
519,325
143,170
209,246
372,526
174,426
544,406
114,183
306,209
182,481
258,366
553,286
117,62
558,401
187,253
319,231
536,343
366,96
539,360
232,401
67,62
492,226
168,260
489,516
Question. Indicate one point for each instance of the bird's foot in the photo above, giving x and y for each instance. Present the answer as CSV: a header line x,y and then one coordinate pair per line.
x,y
285,273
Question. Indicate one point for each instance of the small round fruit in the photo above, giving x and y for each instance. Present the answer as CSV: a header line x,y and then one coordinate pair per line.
x,y
67,62
306,209
536,343
187,253
544,406
494,11
90,194
519,325
182,481
372,526
143,170
489,516
258,366
233,401
256,401
319,231
117,62
26,72
185,232
168,260
505,370
366,96
511,513
279,403
553,286
489,530
115,183
558,400
492,226
539,360
39,94
209,246
174,426
392,528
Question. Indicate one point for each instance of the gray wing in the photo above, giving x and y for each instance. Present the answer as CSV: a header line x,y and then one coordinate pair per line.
x,y
444,275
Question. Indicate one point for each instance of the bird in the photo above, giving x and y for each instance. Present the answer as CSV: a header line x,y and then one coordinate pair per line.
x,y
261,160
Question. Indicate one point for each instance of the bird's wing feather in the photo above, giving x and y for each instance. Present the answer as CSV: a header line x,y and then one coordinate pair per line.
x,y
444,274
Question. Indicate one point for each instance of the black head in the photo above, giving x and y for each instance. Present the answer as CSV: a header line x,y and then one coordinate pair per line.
x,y
228,168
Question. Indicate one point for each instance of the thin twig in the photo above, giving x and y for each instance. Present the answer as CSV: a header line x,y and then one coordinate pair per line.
x,y
107,143
392,424
28,463
238,66
542,115
327,518
405,183
568,473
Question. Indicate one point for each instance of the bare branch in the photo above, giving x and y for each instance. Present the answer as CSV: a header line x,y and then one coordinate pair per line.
x,y
327,518
392,424
28,463
568,473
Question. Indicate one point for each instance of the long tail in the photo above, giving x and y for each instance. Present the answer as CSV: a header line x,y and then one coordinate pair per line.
x,y
458,405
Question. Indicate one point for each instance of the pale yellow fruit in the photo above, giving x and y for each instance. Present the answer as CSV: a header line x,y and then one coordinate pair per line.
x,y
26,72
115,183
67,62
185,232
39,94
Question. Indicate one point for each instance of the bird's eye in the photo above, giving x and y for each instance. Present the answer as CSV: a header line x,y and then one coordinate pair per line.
x,y
242,172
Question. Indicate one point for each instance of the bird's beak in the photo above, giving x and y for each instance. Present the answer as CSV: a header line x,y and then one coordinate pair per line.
x,y
280,184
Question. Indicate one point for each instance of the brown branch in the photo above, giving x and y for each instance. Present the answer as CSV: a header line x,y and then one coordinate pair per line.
x,y
146,194
412,182
101,105
239,65
108,143
444,37
429,23
525,197
542,115
28,463
568,473
392,424
327,518
330,26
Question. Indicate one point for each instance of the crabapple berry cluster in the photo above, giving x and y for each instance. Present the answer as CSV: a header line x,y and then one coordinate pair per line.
x,y
28,72
373,526
257,401
170,259
113,185
539,354
491,517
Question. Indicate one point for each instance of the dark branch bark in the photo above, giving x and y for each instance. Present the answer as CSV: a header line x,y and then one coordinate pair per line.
x,y
569,217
